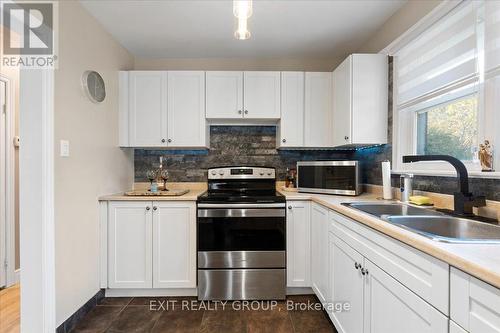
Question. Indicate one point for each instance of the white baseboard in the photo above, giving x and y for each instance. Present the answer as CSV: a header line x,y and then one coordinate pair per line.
x,y
17,276
299,291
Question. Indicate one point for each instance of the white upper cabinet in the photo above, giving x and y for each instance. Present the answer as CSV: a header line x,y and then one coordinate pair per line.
x,y
290,132
162,109
224,95
147,95
360,100
186,109
318,109
261,97
237,95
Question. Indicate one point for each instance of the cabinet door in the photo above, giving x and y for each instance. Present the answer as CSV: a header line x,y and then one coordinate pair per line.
x,y
174,245
342,107
474,304
129,247
148,108
319,251
318,110
347,285
224,95
261,95
291,126
369,98
298,247
391,307
186,109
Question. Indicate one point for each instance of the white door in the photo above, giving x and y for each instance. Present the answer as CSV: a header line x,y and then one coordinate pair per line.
x,y
347,285
319,251
3,202
342,103
174,245
148,108
390,307
130,244
318,112
298,246
291,128
224,93
186,109
262,95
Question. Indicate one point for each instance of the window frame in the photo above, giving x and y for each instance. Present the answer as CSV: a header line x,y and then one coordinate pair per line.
x,y
405,117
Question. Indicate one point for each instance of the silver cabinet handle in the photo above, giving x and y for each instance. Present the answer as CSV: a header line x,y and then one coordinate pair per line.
x,y
364,271
169,140
240,112
246,111
357,266
163,140
290,207
155,208
346,138
284,140
148,208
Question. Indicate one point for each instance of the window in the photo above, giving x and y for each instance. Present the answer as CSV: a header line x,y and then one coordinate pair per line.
x,y
447,87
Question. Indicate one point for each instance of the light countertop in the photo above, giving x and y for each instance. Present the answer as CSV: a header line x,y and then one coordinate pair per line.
x,y
195,190
479,260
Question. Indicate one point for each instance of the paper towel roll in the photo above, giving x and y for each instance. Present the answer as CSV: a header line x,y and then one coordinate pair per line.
x,y
386,180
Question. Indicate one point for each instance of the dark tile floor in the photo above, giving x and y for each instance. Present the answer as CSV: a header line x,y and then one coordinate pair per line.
x,y
168,315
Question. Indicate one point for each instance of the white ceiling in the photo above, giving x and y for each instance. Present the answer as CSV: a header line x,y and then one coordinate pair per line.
x,y
204,28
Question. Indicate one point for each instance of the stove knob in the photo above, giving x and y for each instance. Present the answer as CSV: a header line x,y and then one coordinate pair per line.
x,y
214,172
221,172
261,173
269,173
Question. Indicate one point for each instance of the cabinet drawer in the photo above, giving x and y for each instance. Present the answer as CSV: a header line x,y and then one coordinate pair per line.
x,y
426,276
475,305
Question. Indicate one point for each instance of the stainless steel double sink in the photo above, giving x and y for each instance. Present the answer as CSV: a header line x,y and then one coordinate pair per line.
x,y
431,224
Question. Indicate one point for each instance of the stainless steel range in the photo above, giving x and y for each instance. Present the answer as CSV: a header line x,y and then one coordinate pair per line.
x,y
241,236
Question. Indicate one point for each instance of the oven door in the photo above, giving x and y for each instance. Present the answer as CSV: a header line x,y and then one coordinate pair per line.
x,y
241,236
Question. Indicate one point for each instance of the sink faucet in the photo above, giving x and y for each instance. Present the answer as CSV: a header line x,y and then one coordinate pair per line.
x,y
463,201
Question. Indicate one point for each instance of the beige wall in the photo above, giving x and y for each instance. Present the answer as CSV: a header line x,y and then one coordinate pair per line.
x,y
249,64
398,23
96,165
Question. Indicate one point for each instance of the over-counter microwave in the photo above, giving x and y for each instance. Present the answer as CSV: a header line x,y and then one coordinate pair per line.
x,y
330,177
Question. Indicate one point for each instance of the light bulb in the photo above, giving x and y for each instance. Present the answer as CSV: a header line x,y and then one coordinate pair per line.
x,y
242,33
242,8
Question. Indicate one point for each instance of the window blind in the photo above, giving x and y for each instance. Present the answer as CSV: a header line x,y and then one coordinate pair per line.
x,y
492,38
443,55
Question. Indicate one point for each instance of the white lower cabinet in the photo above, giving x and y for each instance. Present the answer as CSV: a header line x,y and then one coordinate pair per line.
x,y
151,244
390,307
346,285
319,251
475,305
378,303
298,246
174,245
130,244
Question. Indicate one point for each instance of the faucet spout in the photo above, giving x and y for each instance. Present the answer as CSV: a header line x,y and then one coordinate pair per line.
x,y
464,201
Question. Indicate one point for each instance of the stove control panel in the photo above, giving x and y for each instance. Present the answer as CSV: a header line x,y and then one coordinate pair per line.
x,y
242,173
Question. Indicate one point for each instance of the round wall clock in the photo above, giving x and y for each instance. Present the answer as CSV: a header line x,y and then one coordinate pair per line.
x,y
94,87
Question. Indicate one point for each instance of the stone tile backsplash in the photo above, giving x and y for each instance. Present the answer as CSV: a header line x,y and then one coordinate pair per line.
x,y
229,146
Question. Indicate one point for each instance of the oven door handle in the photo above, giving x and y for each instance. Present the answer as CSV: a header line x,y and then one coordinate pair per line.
x,y
241,212
243,205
